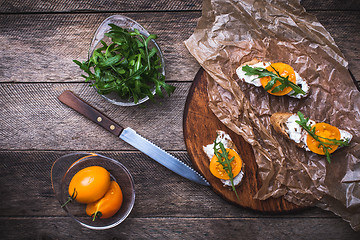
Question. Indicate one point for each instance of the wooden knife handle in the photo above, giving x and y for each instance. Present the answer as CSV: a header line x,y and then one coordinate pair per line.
x,y
82,107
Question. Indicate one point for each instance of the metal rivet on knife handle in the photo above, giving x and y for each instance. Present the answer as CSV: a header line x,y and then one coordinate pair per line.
x,y
112,127
99,119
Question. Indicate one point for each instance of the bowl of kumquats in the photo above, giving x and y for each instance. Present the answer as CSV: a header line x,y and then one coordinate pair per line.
x,y
96,191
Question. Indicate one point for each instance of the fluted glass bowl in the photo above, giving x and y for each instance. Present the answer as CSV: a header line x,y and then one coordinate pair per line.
x,y
68,165
129,24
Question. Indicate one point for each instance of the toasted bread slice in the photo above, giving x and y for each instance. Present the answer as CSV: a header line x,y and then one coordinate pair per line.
x,y
252,62
279,122
228,143
285,124
239,72
254,80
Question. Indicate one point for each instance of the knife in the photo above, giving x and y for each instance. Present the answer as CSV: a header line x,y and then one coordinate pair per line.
x,y
131,137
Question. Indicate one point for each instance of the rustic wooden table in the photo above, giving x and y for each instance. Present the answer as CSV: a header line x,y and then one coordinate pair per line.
x,y
39,40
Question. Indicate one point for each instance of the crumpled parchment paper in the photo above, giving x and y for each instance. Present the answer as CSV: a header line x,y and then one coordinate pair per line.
x,y
230,33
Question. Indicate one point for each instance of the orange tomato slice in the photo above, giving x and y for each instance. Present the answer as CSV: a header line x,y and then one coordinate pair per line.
x,y
284,70
217,169
323,130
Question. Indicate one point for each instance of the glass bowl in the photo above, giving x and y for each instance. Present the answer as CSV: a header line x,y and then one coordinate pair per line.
x,y
129,24
68,165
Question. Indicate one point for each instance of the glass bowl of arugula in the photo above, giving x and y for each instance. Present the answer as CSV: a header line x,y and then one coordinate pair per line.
x,y
125,64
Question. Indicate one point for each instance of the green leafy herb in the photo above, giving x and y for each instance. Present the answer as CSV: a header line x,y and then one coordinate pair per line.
x,y
275,77
304,123
127,66
223,159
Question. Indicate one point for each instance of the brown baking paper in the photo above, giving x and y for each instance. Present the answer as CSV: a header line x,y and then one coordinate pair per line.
x,y
230,33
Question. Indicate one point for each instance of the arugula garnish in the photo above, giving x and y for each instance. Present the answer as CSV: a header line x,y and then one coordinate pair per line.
x,y
304,123
223,159
127,66
263,72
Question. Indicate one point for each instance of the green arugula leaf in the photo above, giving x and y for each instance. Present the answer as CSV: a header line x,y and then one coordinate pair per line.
x,y
305,124
275,77
223,159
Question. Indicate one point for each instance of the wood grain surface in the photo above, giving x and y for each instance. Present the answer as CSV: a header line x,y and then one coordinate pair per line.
x,y
39,41
199,126
28,6
57,39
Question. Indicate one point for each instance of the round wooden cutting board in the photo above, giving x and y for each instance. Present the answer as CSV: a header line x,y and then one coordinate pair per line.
x,y
200,125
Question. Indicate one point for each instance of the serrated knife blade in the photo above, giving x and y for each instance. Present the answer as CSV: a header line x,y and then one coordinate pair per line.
x,y
134,139
161,156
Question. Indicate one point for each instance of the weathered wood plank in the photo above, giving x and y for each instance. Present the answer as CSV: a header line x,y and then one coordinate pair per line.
x,y
41,47
18,6
26,182
341,31
182,228
33,118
